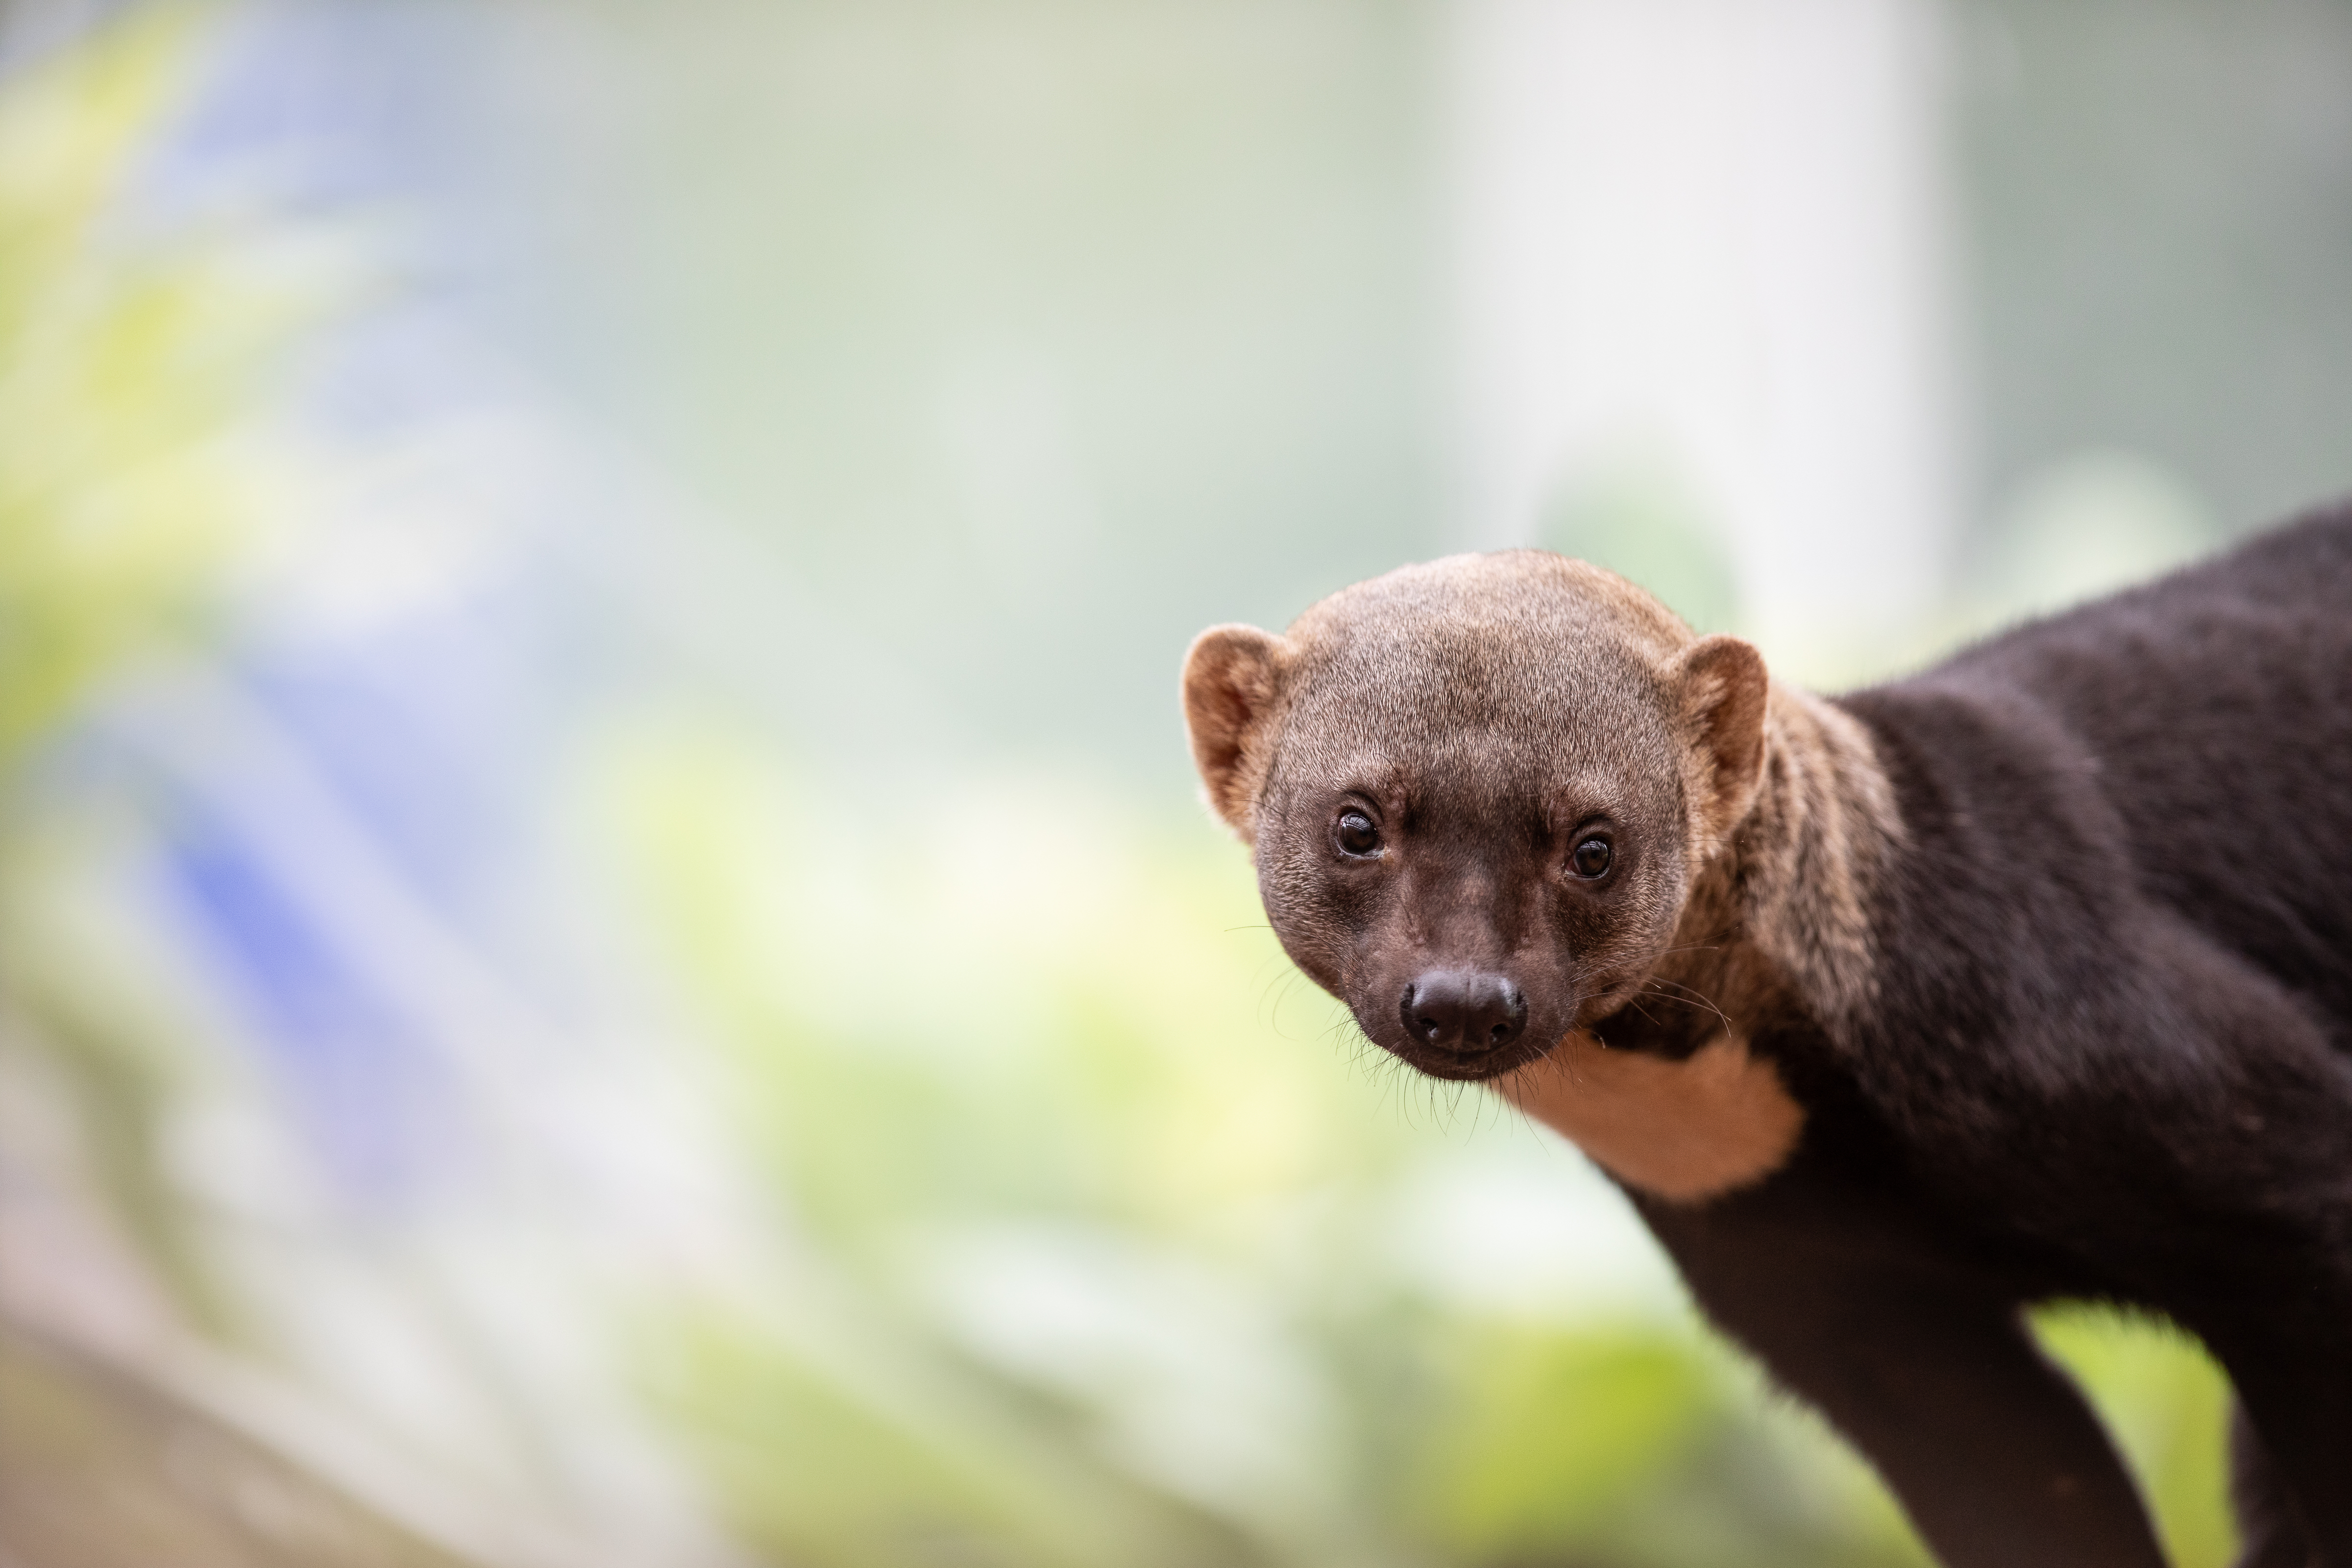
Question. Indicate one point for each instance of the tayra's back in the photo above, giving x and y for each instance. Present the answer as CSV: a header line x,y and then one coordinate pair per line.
x,y
2212,710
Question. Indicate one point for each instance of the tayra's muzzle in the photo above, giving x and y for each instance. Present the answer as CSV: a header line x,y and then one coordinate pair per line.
x,y
1462,1012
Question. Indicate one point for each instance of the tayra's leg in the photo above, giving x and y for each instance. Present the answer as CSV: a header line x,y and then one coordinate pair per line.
x,y
2246,1240
2292,1442
1923,1364
2269,1533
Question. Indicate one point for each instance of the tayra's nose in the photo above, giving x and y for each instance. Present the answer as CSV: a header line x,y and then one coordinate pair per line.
x,y
1464,1011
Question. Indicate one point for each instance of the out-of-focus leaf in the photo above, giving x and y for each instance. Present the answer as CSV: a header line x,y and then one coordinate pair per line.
x,y
1551,1431
96,1467
816,1468
133,362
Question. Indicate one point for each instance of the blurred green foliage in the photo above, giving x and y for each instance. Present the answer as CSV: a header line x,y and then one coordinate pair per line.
x,y
1550,1435
1088,1213
139,366
131,363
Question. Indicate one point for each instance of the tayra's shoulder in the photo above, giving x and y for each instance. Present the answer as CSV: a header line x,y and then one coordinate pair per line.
x,y
2288,586
2247,654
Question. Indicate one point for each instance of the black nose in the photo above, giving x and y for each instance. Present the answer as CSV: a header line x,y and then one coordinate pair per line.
x,y
1464,1011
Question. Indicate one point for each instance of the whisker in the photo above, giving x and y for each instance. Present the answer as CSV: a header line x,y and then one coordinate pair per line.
x,y
1694,997
1487,1095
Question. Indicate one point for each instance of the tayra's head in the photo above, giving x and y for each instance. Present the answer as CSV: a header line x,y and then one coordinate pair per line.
x,y
1479,793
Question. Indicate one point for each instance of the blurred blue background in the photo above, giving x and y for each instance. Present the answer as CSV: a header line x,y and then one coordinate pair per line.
x,y
606,952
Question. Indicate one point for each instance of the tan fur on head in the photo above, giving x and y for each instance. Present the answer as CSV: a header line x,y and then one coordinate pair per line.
x,y
1476,717
1233,680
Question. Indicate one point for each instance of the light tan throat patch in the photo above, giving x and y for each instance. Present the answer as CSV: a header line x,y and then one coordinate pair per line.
x,y
1686,1131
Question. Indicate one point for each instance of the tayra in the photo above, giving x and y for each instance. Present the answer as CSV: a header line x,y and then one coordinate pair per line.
x,y
2029,977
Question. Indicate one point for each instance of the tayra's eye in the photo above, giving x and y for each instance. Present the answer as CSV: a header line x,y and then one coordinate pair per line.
x,y
1592,858
1356,834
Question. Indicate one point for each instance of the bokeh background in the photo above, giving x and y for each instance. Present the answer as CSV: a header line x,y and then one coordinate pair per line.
x,y
606,953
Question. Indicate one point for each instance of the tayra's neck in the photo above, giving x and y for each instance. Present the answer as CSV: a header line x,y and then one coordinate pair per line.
x,y
1808,857
1779,921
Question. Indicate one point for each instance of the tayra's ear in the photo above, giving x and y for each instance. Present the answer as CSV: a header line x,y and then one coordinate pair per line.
x,y
1232,677
1718,686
